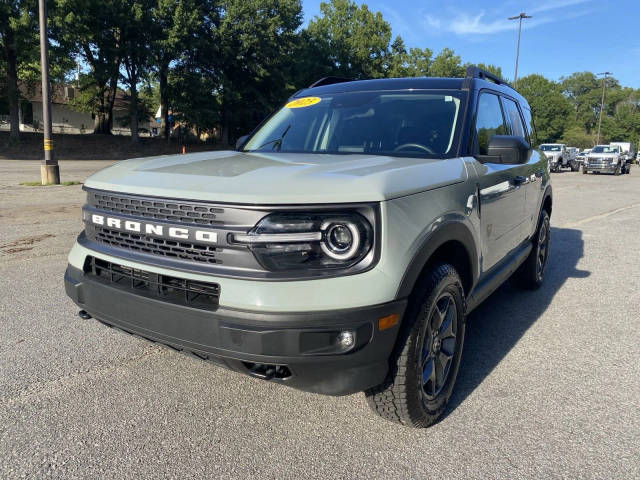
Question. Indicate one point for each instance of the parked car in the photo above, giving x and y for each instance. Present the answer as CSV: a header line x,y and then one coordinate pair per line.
x,y
340,247
572,153
628,150
558,156
582,155
606,159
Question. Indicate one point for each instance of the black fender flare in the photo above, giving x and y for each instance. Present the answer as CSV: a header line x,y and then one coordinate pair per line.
x,y
452,230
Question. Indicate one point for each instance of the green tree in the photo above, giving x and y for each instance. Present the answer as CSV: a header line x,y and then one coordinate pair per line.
x,y
447,64
136,36
93,31
249,53
549,106
575,136
176,26
352,40
18,41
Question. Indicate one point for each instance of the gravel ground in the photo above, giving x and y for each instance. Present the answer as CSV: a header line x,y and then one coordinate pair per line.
x,y
549,386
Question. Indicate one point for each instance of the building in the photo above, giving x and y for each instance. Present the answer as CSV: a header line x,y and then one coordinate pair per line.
x,y
64,118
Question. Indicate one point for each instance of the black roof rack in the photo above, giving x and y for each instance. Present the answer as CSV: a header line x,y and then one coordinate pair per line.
x,y
475,72
329,81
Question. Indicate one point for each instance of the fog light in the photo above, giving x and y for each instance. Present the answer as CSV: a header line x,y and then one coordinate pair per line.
x,y
346,339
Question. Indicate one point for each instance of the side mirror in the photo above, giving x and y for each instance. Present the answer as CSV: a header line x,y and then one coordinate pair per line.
x,y
240,141
508,149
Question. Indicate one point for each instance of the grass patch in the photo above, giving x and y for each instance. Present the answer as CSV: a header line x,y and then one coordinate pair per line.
x,y
39,184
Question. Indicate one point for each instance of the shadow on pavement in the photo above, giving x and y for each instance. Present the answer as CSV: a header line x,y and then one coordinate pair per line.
x,y
495,327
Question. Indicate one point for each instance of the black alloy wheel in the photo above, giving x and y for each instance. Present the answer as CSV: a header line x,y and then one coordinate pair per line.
x,y
438,346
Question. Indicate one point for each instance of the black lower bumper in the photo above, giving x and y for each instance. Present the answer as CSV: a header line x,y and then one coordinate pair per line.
x,y
252,343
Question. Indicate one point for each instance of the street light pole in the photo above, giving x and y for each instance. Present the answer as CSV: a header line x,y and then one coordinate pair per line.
x,y
519,18
604,86
49,170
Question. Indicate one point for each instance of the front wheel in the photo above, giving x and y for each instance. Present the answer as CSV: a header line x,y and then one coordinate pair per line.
x,y
585,171
424,366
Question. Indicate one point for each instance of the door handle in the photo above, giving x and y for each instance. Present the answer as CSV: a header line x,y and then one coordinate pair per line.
x,y
519,179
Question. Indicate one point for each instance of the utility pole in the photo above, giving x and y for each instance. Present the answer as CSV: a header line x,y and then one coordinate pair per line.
x,y
604,86
49,170
519,18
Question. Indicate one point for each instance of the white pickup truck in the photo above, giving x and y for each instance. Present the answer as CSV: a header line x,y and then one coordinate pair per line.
x,y
628,151
560,156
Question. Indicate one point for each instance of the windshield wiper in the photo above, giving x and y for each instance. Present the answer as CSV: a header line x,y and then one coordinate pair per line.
x,y
277,142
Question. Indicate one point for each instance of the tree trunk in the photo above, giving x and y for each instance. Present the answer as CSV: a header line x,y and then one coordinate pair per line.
x,y
133,110
101,123
12,83
225,119
164,101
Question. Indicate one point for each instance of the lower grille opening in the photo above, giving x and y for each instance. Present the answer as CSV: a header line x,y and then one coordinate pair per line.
x,y
165,287
268,372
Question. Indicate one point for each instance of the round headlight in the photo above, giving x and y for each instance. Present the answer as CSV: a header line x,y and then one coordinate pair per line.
x,y
341,240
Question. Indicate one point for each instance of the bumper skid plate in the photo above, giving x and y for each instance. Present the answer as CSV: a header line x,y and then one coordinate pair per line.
x,y
297,349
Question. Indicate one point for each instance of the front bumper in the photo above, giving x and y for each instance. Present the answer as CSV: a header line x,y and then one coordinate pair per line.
x,y
241,340
599,167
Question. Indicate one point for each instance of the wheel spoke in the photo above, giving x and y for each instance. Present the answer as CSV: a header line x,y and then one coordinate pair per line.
x,y
448,346
446,329
440,364
429,374
442,307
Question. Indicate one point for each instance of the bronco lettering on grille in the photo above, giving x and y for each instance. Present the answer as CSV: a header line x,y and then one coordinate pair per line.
x,y
179,233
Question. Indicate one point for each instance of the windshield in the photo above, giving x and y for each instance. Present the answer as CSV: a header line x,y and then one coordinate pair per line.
x,y
417,123
550,148
605,149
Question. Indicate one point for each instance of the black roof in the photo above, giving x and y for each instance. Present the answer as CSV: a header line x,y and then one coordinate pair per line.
x,y
417,83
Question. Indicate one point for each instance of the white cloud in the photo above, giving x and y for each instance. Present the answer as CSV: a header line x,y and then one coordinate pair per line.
x,y
462,23
554,5
433,22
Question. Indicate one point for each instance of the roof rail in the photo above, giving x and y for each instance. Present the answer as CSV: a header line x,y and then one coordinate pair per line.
x,y
329,81
475,72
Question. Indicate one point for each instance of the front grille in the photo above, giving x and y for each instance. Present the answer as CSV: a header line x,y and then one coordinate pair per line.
x,y
159,209
158,246
172,289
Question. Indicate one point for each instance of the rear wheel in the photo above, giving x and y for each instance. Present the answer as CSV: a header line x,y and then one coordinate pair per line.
x,y
530,275
425,364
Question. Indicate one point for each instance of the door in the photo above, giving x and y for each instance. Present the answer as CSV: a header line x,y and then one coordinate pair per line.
x,y
519,121
501,187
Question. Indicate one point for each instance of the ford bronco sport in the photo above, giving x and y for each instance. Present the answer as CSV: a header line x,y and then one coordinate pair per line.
x,y
338,249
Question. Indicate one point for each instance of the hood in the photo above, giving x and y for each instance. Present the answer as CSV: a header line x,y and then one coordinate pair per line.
x,y
552,155
278,178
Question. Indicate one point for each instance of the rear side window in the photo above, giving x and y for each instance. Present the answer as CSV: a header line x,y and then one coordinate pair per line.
x,y
513,116
528,122
489,121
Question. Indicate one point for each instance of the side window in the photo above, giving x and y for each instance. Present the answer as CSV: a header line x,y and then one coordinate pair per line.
x,y
513,116
530,127
489,121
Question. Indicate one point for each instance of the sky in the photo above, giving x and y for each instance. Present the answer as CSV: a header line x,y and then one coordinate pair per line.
x,y
562,37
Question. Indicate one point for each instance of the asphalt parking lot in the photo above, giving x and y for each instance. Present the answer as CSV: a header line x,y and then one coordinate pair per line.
x,y
549,385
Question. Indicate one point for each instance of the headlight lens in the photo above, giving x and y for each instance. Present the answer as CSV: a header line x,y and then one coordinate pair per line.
x,y
309,241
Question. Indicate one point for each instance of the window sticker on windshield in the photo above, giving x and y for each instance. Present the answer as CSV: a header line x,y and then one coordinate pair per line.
x,y
303,102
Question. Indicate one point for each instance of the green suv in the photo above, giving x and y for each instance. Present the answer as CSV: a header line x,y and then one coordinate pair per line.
x,y
338,249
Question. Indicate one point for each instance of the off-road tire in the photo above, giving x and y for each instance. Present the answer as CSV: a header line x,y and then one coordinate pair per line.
x,y
402,397
528,275
616,172
584,171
